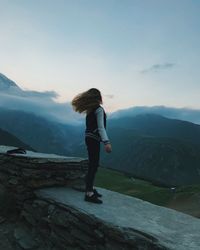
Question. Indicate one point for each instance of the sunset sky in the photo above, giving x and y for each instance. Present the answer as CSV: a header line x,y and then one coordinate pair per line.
x,y
137,52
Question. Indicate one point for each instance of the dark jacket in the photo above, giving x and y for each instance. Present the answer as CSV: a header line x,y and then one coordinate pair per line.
x,y
96,125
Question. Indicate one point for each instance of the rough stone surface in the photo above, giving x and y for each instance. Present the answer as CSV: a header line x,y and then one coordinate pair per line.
x,y
58,218
69,227
137,221
24,238
22,173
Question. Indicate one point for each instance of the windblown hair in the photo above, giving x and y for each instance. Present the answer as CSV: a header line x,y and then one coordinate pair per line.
x,y
86,101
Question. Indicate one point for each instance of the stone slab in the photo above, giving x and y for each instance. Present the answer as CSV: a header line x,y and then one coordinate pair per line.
x,y
173,229
44,156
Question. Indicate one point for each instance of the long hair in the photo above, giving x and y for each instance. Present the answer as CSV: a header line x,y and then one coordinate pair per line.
x,y
86,101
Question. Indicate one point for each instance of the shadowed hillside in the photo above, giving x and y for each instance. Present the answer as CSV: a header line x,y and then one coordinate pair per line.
x,y
154,148
158,126
151,147
42,134
163,160
9,139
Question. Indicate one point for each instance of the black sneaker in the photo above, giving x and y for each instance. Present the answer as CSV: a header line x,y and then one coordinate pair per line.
x,y
96,193
93,198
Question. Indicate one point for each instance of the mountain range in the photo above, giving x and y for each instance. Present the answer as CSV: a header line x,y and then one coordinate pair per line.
x,y
162,160
154,148
158,126
40,133
183,114
42,104
145,145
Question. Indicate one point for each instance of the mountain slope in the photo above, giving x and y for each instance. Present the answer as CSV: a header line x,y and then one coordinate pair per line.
x,y
161,160
41,103
11,140
41,134
184,114
6,84
162,150
156,125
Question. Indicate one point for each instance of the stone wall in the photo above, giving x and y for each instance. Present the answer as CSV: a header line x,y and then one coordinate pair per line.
x,y
22,174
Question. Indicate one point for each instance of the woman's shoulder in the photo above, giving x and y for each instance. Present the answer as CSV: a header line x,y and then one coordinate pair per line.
x,y
99,109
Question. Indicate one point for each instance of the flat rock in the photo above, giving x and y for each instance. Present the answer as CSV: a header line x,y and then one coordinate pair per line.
x,y
173,229
46,157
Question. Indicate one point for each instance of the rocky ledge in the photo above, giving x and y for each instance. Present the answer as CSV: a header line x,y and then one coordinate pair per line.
x,y
121,222
58,218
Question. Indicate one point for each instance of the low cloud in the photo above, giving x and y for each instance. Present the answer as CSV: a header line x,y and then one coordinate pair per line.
x,y
185,114
45,94
158,67
40,103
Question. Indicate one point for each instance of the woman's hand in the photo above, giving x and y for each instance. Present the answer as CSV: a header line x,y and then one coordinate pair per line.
x,y
108,148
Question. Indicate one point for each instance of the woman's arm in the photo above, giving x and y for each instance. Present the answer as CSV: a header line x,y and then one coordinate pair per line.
x,y
100,123
101,129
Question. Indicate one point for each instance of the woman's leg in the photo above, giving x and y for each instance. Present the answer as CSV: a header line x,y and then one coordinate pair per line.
x,y
93,148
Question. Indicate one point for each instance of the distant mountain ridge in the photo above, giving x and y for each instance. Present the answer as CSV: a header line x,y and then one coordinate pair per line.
x,y
43,135
8,139
6,83
157,125
42,103
164,151
8,86
146,145
156,148
183,114
162,160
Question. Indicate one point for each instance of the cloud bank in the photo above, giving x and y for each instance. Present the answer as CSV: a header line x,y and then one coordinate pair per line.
x,y
45,104
40,103
185,114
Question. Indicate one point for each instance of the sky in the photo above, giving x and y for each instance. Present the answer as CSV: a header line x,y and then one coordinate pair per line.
x,y
137,52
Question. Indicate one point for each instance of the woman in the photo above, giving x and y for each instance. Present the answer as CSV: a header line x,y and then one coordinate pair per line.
x,y
89,102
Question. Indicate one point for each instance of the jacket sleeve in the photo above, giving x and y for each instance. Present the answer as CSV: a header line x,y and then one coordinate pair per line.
x,y
100,123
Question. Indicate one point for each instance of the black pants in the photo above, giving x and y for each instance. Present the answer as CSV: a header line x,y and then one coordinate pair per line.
x,y
93,148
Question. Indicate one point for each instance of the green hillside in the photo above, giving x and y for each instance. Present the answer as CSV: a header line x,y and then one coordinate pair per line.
x,y
119,182
184,199
163,160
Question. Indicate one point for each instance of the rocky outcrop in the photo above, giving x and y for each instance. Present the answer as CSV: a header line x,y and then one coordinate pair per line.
x,y
64,226
58,218
121,222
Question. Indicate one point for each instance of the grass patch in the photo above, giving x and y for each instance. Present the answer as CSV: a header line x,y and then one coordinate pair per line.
x,y
192,189
186,192
119,182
